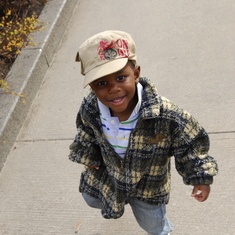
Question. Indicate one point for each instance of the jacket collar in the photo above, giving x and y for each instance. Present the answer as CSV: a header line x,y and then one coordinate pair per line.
x,y
151,101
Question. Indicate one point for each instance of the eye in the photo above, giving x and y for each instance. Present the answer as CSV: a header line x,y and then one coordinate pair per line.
x,y
101,83
120,78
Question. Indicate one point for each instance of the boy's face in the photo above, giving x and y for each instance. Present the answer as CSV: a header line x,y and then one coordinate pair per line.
x,y
118,91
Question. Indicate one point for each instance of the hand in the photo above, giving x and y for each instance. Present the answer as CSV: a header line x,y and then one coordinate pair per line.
x,y
201,192
94,167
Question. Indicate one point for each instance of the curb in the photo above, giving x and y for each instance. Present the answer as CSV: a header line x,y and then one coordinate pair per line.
x,y
29,70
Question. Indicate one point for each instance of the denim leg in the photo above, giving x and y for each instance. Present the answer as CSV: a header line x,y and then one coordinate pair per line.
x,y
92,201
151,218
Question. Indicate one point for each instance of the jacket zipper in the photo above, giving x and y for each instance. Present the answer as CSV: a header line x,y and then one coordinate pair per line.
x,y
138,123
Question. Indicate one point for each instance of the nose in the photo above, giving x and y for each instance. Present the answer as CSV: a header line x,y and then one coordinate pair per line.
x,y
113,88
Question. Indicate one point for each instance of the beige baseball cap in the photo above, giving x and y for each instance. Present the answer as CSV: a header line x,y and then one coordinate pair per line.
x,y
105,53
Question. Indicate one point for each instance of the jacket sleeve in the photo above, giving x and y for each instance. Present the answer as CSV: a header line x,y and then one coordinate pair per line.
x,y
84,149
190,149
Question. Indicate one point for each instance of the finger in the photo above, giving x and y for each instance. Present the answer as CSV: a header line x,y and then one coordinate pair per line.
x,y
195,190
200,196
196,193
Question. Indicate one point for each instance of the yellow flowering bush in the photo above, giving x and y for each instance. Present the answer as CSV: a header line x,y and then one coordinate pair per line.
x,y
14,34
16,24
17,20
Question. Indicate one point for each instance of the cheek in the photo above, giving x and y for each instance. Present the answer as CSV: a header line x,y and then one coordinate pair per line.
x,y
132,90
100,95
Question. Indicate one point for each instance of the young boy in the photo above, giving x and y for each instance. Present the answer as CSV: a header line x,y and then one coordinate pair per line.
x,y
127,135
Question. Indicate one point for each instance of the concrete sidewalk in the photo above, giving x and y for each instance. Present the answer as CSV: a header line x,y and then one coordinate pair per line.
x,y
187,48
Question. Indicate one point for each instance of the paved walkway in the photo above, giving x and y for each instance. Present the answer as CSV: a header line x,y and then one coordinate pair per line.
x,y
187,48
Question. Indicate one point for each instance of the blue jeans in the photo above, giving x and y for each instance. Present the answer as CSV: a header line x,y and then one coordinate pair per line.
x,y
151,218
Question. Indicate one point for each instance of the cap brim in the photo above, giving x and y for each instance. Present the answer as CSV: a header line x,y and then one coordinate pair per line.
x,y
104,69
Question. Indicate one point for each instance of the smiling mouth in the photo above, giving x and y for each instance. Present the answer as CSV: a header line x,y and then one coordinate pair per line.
x,y
117,101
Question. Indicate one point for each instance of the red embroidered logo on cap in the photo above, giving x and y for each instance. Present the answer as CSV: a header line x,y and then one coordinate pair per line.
x,y
110,50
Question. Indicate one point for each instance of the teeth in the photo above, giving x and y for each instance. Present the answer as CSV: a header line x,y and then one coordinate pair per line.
x,y
115,101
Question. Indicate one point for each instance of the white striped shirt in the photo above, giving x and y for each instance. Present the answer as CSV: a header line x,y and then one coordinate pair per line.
x,y
117,133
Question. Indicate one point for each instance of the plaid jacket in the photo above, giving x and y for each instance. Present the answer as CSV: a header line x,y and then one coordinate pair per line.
x,y
162,131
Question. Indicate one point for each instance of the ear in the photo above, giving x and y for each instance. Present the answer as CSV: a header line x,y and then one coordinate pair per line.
x,y
137,74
